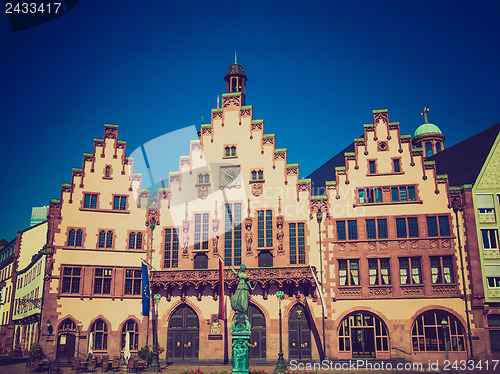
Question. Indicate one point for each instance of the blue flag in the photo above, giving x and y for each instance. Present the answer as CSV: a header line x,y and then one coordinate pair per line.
x,y
145,291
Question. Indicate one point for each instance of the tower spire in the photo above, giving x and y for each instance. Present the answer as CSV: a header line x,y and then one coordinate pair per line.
x,y
235,59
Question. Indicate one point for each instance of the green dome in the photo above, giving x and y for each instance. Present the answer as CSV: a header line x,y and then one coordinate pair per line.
x,y
427,128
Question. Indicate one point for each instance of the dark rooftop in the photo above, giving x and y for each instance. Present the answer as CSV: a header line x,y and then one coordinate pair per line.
x,y
463,161
326,172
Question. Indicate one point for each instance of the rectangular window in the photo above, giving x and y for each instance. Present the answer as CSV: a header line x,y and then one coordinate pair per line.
x,y
135,240
171,259
201,227
412,227
232,236
265,228
297,243
133,280
371,232
102,281
382,228
401,227
369,195
119,202
341,230
493,282
71,280
410,271
442,270
372,167
75,237
490,238
403,193
379,271
348,272
376,228
397,165
352,230
444,226
434,230
90,201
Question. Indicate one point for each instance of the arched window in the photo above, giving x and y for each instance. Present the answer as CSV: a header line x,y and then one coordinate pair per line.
x,y
67,324
260,175
438,147
207,178
130,327
254,175
363,334
228,151
433,329
428,149
200,178
71,238
131,240
79,236
100,335
107,172
233,151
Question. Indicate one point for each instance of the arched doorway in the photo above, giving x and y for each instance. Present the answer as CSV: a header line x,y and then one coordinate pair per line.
x,y
364,334
183,334
66,340
258,336
299,334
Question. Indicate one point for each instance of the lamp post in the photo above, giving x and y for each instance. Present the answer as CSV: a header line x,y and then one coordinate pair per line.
x,y
79,328
280,366
152,225
456,208
444,325
155,364
319,217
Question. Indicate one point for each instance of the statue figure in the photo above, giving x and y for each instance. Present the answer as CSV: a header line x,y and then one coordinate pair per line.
x,y
240,355
239,301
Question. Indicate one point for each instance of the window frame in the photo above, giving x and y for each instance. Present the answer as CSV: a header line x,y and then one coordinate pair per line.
x,y
349,275
378,279
93,200
489,231
265,229
106,279
170,247
131,281
233,233
412,264
71,278
441,274
297,244
122,203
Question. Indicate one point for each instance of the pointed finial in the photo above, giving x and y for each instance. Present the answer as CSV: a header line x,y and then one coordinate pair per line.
x,y
202,120
186,210
279,205
235,59
215,210
248,208
424,113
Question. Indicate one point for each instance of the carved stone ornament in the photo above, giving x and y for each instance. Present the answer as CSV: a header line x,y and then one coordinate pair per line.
x,y
257,189
279,234
248,235
202,192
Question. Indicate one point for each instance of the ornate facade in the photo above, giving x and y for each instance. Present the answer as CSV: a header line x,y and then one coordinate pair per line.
x,y
385,249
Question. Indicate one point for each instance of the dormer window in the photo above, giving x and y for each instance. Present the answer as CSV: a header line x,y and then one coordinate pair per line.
x,y
230,151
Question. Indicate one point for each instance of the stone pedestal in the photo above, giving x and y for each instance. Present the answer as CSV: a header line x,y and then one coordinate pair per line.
x,y
240,331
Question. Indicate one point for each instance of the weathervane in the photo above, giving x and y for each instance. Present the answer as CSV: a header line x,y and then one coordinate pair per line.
x,y
424,113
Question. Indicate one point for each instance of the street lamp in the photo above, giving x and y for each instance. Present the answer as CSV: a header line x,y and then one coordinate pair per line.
x,y
280,366
79,328
155,364
319,217
444,325
50,329
152,224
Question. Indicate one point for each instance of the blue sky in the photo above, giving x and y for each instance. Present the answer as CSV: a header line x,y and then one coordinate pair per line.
x,y
315,72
